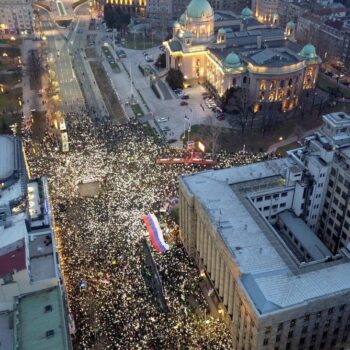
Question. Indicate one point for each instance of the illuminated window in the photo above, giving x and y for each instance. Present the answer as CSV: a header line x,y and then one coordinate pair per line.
x,y
262,85
273,85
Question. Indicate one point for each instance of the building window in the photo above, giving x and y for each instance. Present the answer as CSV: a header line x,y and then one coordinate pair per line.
x,y
282,205
292,323
290,334
330,311
266,341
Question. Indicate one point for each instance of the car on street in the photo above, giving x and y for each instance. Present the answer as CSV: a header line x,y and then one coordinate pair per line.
x,y
162,120
145,53
165,128
149,58
183,103
121,53
185,97
221,117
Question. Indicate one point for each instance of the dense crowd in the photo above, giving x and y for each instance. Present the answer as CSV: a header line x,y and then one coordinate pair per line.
x,y
100,236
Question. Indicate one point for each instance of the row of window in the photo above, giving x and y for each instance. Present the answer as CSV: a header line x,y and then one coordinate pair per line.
x,y
268,196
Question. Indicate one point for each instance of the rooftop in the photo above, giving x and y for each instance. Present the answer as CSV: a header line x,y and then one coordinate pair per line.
x,y
7,156
41,257
272,279
272,57
41,323
6,331
11,234
14,260
312,244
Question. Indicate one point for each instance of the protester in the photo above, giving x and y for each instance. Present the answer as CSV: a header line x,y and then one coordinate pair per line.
x,y
99,238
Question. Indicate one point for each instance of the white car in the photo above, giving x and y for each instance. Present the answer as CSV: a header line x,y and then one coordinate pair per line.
x,y
162,120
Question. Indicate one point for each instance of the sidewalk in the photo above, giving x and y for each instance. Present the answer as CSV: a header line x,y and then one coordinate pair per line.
x,y
289,140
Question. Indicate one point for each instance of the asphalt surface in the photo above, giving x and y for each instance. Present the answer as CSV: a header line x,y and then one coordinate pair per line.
x,y
58,48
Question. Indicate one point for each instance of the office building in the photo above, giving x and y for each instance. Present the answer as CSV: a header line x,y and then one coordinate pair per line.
x,y
254,230
240,52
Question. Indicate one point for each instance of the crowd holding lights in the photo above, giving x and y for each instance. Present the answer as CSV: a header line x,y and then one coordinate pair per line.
x,y
99,239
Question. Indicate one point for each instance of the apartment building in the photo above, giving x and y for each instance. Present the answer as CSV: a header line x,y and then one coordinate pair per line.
x,y
252,231
16,17
28,257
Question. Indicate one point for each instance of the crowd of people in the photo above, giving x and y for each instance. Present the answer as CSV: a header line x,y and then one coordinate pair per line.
x,y
100,239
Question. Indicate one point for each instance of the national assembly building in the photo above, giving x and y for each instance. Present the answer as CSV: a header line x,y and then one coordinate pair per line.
x,y
273,242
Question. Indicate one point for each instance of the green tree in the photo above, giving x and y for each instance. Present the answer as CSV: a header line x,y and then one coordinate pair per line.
x,y
175,79
161,61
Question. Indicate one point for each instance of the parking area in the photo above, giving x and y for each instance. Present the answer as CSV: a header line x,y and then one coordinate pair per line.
x,y
177,114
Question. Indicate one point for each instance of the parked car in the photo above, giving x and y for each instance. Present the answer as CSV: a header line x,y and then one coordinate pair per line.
x,y
220,117
185,97
145,53
165,128
183,103
149,58
162,120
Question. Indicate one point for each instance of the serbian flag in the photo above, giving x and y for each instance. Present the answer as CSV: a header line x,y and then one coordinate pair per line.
x,y
155,233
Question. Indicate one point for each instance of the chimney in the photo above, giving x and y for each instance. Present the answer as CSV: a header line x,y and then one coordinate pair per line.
x,y
258,41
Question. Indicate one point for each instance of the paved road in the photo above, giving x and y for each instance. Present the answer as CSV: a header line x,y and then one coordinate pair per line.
x,y
77,41
71,97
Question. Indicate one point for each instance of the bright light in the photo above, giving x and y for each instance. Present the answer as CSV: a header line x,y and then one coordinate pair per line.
x,y
280,138
207,321
5,54
201,146
12,38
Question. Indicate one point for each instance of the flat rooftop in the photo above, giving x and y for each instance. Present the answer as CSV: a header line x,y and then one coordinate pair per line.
x,y
7,156
13,260
41,257
312,244
6,330
270,277
12,234
41,323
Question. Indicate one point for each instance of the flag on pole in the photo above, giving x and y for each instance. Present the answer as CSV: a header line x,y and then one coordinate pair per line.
x,y
155,233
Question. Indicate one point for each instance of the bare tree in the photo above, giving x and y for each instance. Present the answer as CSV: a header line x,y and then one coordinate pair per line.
x,y
214,133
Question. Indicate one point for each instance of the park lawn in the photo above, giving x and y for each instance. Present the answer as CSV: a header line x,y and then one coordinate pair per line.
x,y
10,100
232,140
283,150
137,110
328,86
114,65
138,42
110,98
10,79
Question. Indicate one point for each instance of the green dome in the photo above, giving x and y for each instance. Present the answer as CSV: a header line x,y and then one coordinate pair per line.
x,y
308,51
182,19
291,25
246,13
232,60
199,9
187,35
222,31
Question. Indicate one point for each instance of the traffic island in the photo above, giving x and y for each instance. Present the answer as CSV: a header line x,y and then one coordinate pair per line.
x,y
114,65
110,98
137,110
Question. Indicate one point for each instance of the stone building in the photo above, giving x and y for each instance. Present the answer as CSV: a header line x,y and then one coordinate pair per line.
x,y
251,230
260,59
266,11
16,17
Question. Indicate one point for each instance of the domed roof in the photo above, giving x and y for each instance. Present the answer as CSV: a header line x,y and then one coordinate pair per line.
x,y
291,24
199,9
177,24
308,51
232,60
246,13
222,31
187,35
182,18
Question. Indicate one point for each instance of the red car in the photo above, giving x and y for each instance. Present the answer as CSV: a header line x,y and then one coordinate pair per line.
x,y
183,103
